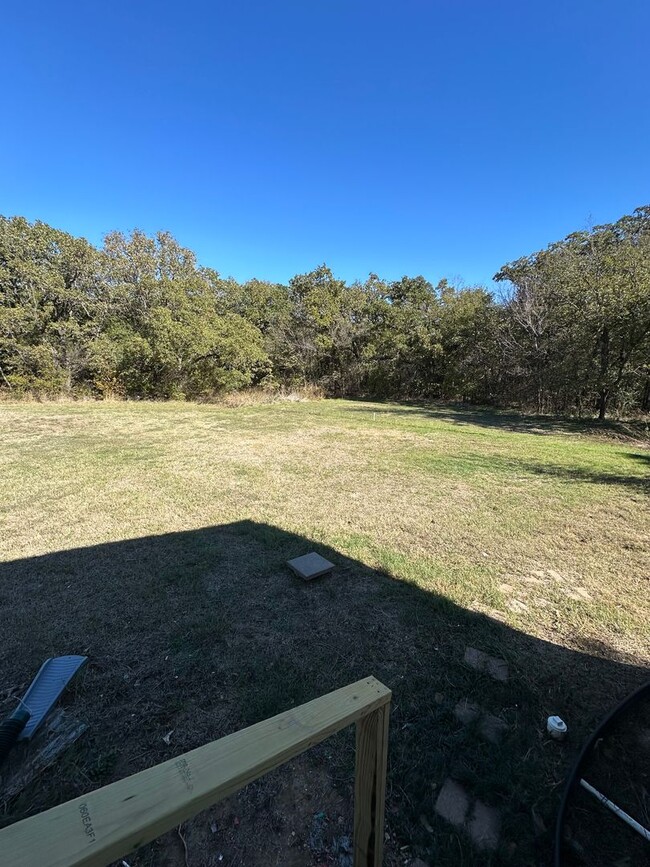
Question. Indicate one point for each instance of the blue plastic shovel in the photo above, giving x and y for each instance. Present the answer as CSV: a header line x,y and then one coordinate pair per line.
x,y
53,677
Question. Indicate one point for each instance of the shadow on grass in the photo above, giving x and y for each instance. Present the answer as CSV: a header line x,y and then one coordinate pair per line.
x,y
203,632
643,458
517,422
580,474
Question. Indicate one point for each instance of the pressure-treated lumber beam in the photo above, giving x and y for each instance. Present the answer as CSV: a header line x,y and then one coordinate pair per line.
x,y
108,823
370,788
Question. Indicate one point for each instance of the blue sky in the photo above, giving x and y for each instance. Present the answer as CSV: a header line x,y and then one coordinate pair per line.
x,y
404,137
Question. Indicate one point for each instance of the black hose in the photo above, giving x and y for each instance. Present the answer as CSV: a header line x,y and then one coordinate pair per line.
x,y
575,771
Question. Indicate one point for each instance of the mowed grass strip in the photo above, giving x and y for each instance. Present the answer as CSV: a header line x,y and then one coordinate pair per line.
x,y
450,528
423,493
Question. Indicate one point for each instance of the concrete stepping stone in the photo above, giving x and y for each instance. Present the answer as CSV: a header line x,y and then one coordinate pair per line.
x,y
480,661
482,823
310,566
466,712
484,826
452,803
491,727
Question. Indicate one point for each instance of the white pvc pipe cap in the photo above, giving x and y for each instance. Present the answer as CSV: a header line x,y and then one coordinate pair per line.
x,y
556,727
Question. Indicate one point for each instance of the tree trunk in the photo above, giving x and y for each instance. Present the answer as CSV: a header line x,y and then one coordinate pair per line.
x,y
602,403
645,399
603,392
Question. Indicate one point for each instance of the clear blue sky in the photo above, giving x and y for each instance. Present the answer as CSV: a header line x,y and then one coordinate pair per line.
x,y
441,137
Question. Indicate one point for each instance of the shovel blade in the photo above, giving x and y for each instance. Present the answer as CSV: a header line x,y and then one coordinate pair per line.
x,y
53,677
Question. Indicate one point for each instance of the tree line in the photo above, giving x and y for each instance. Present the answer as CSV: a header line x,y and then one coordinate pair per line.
x,y
139,317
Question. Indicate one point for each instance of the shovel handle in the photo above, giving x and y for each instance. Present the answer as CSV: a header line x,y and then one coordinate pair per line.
x,y
10,728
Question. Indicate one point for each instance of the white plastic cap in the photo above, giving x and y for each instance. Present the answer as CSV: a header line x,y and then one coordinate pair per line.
x,y
556,727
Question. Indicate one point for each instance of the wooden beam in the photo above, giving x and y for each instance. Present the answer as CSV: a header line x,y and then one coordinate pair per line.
x,y
370,788
108,823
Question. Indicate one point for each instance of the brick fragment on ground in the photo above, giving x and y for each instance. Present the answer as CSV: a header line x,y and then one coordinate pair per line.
x,y
452,803
484,826
480,661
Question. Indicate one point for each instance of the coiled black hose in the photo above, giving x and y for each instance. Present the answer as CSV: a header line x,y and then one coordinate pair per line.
x,y
575,771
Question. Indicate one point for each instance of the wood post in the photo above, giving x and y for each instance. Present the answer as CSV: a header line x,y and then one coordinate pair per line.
x,y
108,823
370,788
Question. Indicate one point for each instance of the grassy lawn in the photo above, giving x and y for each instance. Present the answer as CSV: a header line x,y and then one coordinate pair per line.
x,y
153,538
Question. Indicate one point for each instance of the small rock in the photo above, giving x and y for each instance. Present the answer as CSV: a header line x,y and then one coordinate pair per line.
x,y
452,803
480,661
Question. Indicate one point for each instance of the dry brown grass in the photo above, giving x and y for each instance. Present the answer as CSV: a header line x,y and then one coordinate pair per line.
x,y
449,528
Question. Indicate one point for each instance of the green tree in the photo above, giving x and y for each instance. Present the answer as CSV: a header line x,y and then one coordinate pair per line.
x,y
579,316
49,286
172,338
